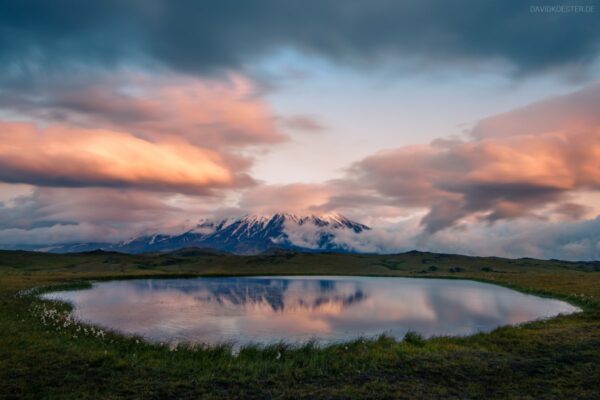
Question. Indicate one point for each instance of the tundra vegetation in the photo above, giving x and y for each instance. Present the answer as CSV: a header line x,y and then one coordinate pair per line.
x,y
45,353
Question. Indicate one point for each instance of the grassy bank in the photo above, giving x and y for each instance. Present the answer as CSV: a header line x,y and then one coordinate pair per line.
x,y
40,357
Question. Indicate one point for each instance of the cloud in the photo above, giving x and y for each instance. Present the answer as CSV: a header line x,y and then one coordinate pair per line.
x,y
514,165
304,123
67,215
570,112
131,129
50,206
205,37
49,215
221,113
296,197
345,196
70,157
565,240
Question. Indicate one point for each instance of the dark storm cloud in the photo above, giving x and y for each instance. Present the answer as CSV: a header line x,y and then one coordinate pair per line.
x,y
207,36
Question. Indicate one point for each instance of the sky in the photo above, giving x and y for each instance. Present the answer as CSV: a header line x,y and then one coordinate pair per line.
x,y
471,127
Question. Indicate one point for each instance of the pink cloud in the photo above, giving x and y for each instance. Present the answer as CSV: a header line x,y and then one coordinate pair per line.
x,y
515,164
575,111
74,157
225,113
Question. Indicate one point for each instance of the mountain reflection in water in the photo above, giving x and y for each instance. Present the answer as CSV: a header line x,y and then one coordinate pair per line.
x,y
257,293
294,309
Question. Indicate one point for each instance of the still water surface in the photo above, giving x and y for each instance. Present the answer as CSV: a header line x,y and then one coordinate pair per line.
x,y
264,310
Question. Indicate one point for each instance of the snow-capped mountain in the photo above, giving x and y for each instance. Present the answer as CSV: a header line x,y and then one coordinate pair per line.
x,y
254,234
251,234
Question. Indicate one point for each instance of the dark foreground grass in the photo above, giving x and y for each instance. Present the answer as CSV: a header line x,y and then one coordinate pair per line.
x,y
557,358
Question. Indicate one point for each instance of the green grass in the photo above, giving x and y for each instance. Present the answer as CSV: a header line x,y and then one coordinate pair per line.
x,y
557,358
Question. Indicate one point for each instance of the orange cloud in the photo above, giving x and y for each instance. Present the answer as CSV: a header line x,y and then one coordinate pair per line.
x,y
72,157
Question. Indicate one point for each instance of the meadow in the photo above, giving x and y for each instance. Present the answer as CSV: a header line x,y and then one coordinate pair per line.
x,y
46,354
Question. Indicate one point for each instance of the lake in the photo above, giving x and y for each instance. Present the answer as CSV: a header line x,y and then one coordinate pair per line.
x,y
263,310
